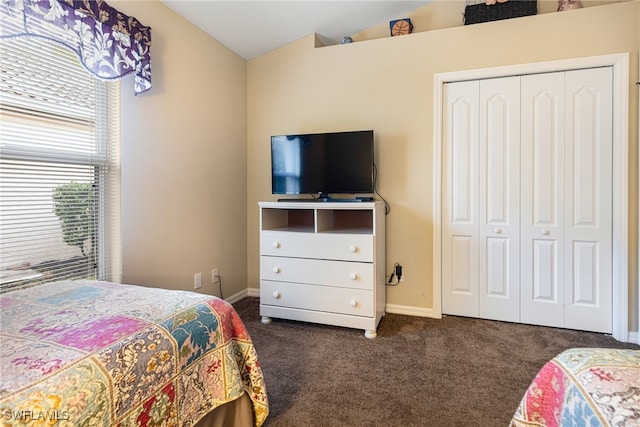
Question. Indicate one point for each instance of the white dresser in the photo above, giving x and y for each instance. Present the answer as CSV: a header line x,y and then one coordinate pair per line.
x,y
323,262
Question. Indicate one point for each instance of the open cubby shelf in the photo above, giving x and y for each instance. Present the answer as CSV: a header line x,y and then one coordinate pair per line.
x,y
319,220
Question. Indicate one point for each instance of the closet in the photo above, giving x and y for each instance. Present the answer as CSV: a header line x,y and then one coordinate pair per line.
x,y
527,199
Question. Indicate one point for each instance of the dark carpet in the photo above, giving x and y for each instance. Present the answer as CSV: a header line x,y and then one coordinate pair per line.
x,y
421,372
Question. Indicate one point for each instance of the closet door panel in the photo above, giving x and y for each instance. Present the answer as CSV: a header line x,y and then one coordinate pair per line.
x,y
527,199
588,205
545,278
460,188
499,198
542,192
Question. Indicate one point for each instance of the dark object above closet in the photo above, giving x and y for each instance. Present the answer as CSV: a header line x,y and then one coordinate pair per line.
x,y
477,13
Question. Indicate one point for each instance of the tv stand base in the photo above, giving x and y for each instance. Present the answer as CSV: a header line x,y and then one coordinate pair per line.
x,y
331,200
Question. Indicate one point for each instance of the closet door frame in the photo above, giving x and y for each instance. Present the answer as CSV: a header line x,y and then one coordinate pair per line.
x,y
620,67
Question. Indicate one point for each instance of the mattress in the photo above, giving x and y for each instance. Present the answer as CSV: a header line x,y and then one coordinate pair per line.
x,y
101,353
584,387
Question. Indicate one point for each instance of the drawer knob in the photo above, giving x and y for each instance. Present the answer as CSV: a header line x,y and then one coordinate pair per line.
x,y
353,303
276,294
353,248
353,276
276,244
545,232
276,269
497,230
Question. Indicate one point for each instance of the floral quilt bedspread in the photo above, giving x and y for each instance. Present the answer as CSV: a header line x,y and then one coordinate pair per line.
x,y
584,387
99,353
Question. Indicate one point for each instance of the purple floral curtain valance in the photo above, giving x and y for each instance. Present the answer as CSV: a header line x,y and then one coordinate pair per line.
x,y
110,44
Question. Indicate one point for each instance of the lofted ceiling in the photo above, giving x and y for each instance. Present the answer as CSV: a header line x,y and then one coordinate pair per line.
x,y
252,28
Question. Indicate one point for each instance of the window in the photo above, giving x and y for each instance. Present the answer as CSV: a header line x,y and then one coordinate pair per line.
x,y
59,167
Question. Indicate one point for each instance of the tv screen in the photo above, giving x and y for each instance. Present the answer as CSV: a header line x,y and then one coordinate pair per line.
x,y
324,163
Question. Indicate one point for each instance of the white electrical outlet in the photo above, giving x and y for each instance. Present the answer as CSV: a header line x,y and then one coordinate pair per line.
x,y
197,281
214,275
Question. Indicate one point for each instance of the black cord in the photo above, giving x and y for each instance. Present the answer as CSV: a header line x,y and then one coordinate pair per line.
x,y
220,285
387,208
395,273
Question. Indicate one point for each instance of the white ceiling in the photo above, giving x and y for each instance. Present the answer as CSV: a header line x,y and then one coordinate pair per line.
x,y
252,28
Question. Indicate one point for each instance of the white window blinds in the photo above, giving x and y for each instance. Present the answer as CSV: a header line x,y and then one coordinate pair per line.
x,y
59,167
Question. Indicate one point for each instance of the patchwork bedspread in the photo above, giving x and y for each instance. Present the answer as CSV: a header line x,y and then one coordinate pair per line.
x,y
584,387
98,353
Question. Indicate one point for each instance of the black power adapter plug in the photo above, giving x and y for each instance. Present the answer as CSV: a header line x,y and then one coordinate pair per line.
x,y
397,272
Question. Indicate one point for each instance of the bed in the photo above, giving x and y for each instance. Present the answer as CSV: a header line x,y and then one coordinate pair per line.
x,y
101,353
584,387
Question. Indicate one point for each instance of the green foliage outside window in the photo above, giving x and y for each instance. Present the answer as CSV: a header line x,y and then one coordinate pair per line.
x,y
73,204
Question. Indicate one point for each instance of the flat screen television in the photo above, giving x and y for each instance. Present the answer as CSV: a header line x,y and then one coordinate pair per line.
x,y
323,163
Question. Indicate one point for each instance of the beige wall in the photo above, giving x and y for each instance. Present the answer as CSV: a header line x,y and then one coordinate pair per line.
x,y
387,84
196,153
450,13
184,160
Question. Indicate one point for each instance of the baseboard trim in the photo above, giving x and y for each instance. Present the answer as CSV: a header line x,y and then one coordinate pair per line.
x,y
411,311
239,296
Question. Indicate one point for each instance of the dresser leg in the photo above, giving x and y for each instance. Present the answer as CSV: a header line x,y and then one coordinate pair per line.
x,y
369,333
266,319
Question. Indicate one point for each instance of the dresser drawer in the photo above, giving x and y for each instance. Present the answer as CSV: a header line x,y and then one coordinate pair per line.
x,y
357,302
358,275
342,247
